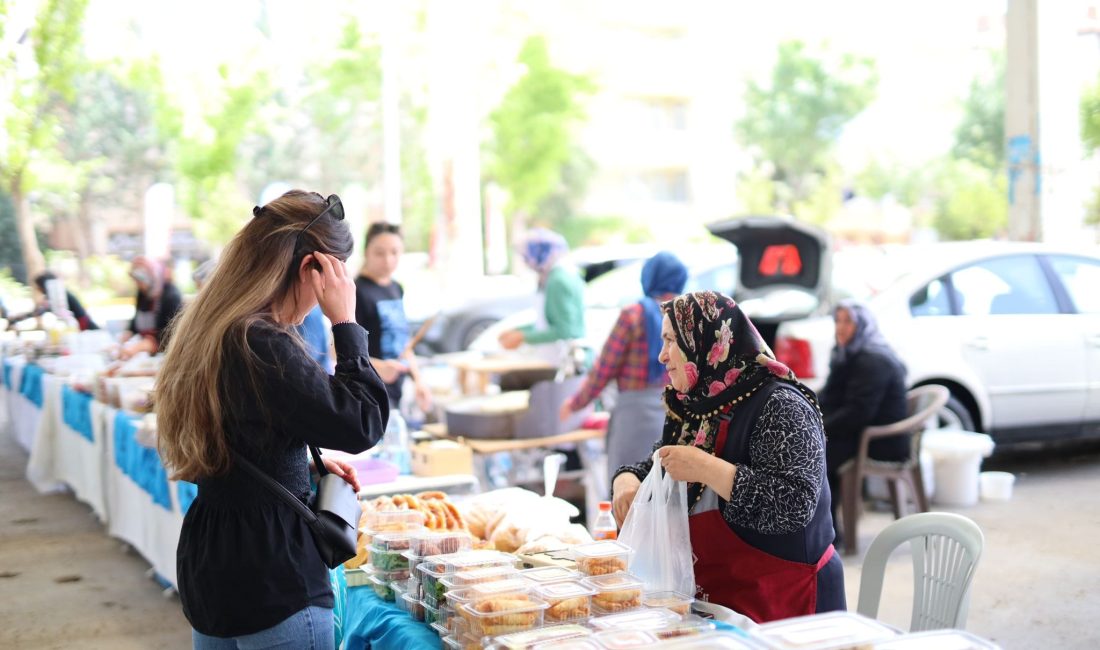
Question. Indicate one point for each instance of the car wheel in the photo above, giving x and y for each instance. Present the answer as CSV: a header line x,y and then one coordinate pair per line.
x,y
474,331
955,415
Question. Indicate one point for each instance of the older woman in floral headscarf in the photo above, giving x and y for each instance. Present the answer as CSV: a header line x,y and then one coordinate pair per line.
x,y
155,306
561,292
748,439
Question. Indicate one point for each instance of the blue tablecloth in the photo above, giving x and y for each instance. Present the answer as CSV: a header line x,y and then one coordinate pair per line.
x,y
76,411
32,383
370,622
186,492
7,374
139,462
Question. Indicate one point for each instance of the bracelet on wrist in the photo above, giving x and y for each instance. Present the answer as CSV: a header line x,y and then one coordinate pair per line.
x,y
349,321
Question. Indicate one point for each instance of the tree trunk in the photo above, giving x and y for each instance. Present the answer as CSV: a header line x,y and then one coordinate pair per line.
x,y
33,260
83,235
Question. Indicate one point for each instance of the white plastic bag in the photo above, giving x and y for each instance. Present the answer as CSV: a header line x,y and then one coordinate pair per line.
x,y
657,529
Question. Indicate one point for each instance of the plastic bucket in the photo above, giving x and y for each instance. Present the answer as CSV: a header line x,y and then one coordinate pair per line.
x,y
957,461
997,486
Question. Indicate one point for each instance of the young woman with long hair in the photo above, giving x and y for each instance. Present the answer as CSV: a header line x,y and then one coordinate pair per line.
x,y
237,380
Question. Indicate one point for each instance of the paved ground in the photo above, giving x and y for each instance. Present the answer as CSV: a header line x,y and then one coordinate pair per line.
x,y
64,583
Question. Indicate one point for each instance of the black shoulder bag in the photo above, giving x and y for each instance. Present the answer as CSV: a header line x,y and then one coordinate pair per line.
x,y
333,516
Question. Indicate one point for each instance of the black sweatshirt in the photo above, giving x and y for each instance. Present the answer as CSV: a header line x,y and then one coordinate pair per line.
x,y
246,561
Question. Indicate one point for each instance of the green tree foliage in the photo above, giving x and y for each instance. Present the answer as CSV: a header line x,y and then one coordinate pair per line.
x,y
1090,138
28,107
533,129
980,136
792,121
971,201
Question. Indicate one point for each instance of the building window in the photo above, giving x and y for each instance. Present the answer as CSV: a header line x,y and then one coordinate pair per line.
x,y
670,186
662,114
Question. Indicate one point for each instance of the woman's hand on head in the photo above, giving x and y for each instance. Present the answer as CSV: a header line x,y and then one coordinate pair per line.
x,y
625,489
334,288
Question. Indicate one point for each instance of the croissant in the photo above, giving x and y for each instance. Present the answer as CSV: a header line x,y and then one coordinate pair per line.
x,y
568,609
433,495
517,601
618,596
602,566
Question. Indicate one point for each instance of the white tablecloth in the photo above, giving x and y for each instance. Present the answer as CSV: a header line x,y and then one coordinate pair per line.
x,y
23,415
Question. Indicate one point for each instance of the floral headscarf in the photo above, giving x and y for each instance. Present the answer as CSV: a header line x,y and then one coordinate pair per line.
x,y
151,273
726,362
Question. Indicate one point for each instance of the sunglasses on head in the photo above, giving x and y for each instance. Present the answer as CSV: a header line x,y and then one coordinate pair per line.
x,y
333,205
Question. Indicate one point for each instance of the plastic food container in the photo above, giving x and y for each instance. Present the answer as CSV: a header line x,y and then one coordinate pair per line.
x,y
449,564
413,607
713,641
550,574
602,558
428,543
616,592
388,561
472,577
941,639
542,638
504,615
996,486
498,589
644,619
568,601
581,643
691,626
382,588
391,541
621,639
671,600
461,642
456,598
831,631
357,577
394,521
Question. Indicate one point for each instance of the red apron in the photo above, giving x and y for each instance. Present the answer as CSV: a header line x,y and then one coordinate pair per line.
x,y
731,573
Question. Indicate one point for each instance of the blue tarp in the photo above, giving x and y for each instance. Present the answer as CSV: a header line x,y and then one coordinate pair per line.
x,y
32,384
139,462
76,411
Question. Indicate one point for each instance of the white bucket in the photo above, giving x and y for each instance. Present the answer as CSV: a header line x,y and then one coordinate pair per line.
x,y
957,481
997,486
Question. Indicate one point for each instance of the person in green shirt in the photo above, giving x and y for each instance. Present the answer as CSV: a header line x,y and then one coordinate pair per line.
x,y
561,316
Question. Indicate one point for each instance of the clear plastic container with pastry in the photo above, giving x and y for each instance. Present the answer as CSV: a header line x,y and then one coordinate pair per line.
x,y
568,601
504,614
540,638
624,639
671,600
427,543
642,619
550,574
602,558
434,569
463,579
688,627
615,592
384,521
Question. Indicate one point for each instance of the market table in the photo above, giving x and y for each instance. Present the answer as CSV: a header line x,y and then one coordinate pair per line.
x,y
593,461
21,387
483,369
370,622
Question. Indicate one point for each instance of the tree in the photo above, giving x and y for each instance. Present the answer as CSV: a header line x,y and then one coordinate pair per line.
x,y
792,122
971,201
533,129
28,111
1090,138
111,143
980,136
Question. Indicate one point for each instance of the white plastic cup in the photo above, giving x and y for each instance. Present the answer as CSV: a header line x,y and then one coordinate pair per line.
x,y
997,486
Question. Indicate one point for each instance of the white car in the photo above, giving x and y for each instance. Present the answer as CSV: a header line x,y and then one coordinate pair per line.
x,y
1012,329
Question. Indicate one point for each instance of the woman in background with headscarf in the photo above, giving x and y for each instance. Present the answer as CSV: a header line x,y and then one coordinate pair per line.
x,y
630,357
561,290
866,387
156,305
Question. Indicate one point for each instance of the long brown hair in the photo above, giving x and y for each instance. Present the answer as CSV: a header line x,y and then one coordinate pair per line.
x,y
256,272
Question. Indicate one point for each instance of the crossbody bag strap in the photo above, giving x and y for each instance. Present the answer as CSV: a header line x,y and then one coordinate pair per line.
x,y
317,463
276,488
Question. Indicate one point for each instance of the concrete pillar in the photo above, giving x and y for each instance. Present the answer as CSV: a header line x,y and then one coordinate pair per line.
x,y
1043,150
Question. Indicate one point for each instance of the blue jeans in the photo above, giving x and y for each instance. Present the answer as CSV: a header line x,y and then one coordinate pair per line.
x,y
309,628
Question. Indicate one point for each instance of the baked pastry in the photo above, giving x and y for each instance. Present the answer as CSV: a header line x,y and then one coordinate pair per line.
x,y
599,566
569,609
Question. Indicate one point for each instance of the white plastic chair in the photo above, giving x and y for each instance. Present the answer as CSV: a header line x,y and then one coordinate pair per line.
x,y
946,549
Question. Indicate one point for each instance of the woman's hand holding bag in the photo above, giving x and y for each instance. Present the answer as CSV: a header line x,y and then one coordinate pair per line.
x,y
657,529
